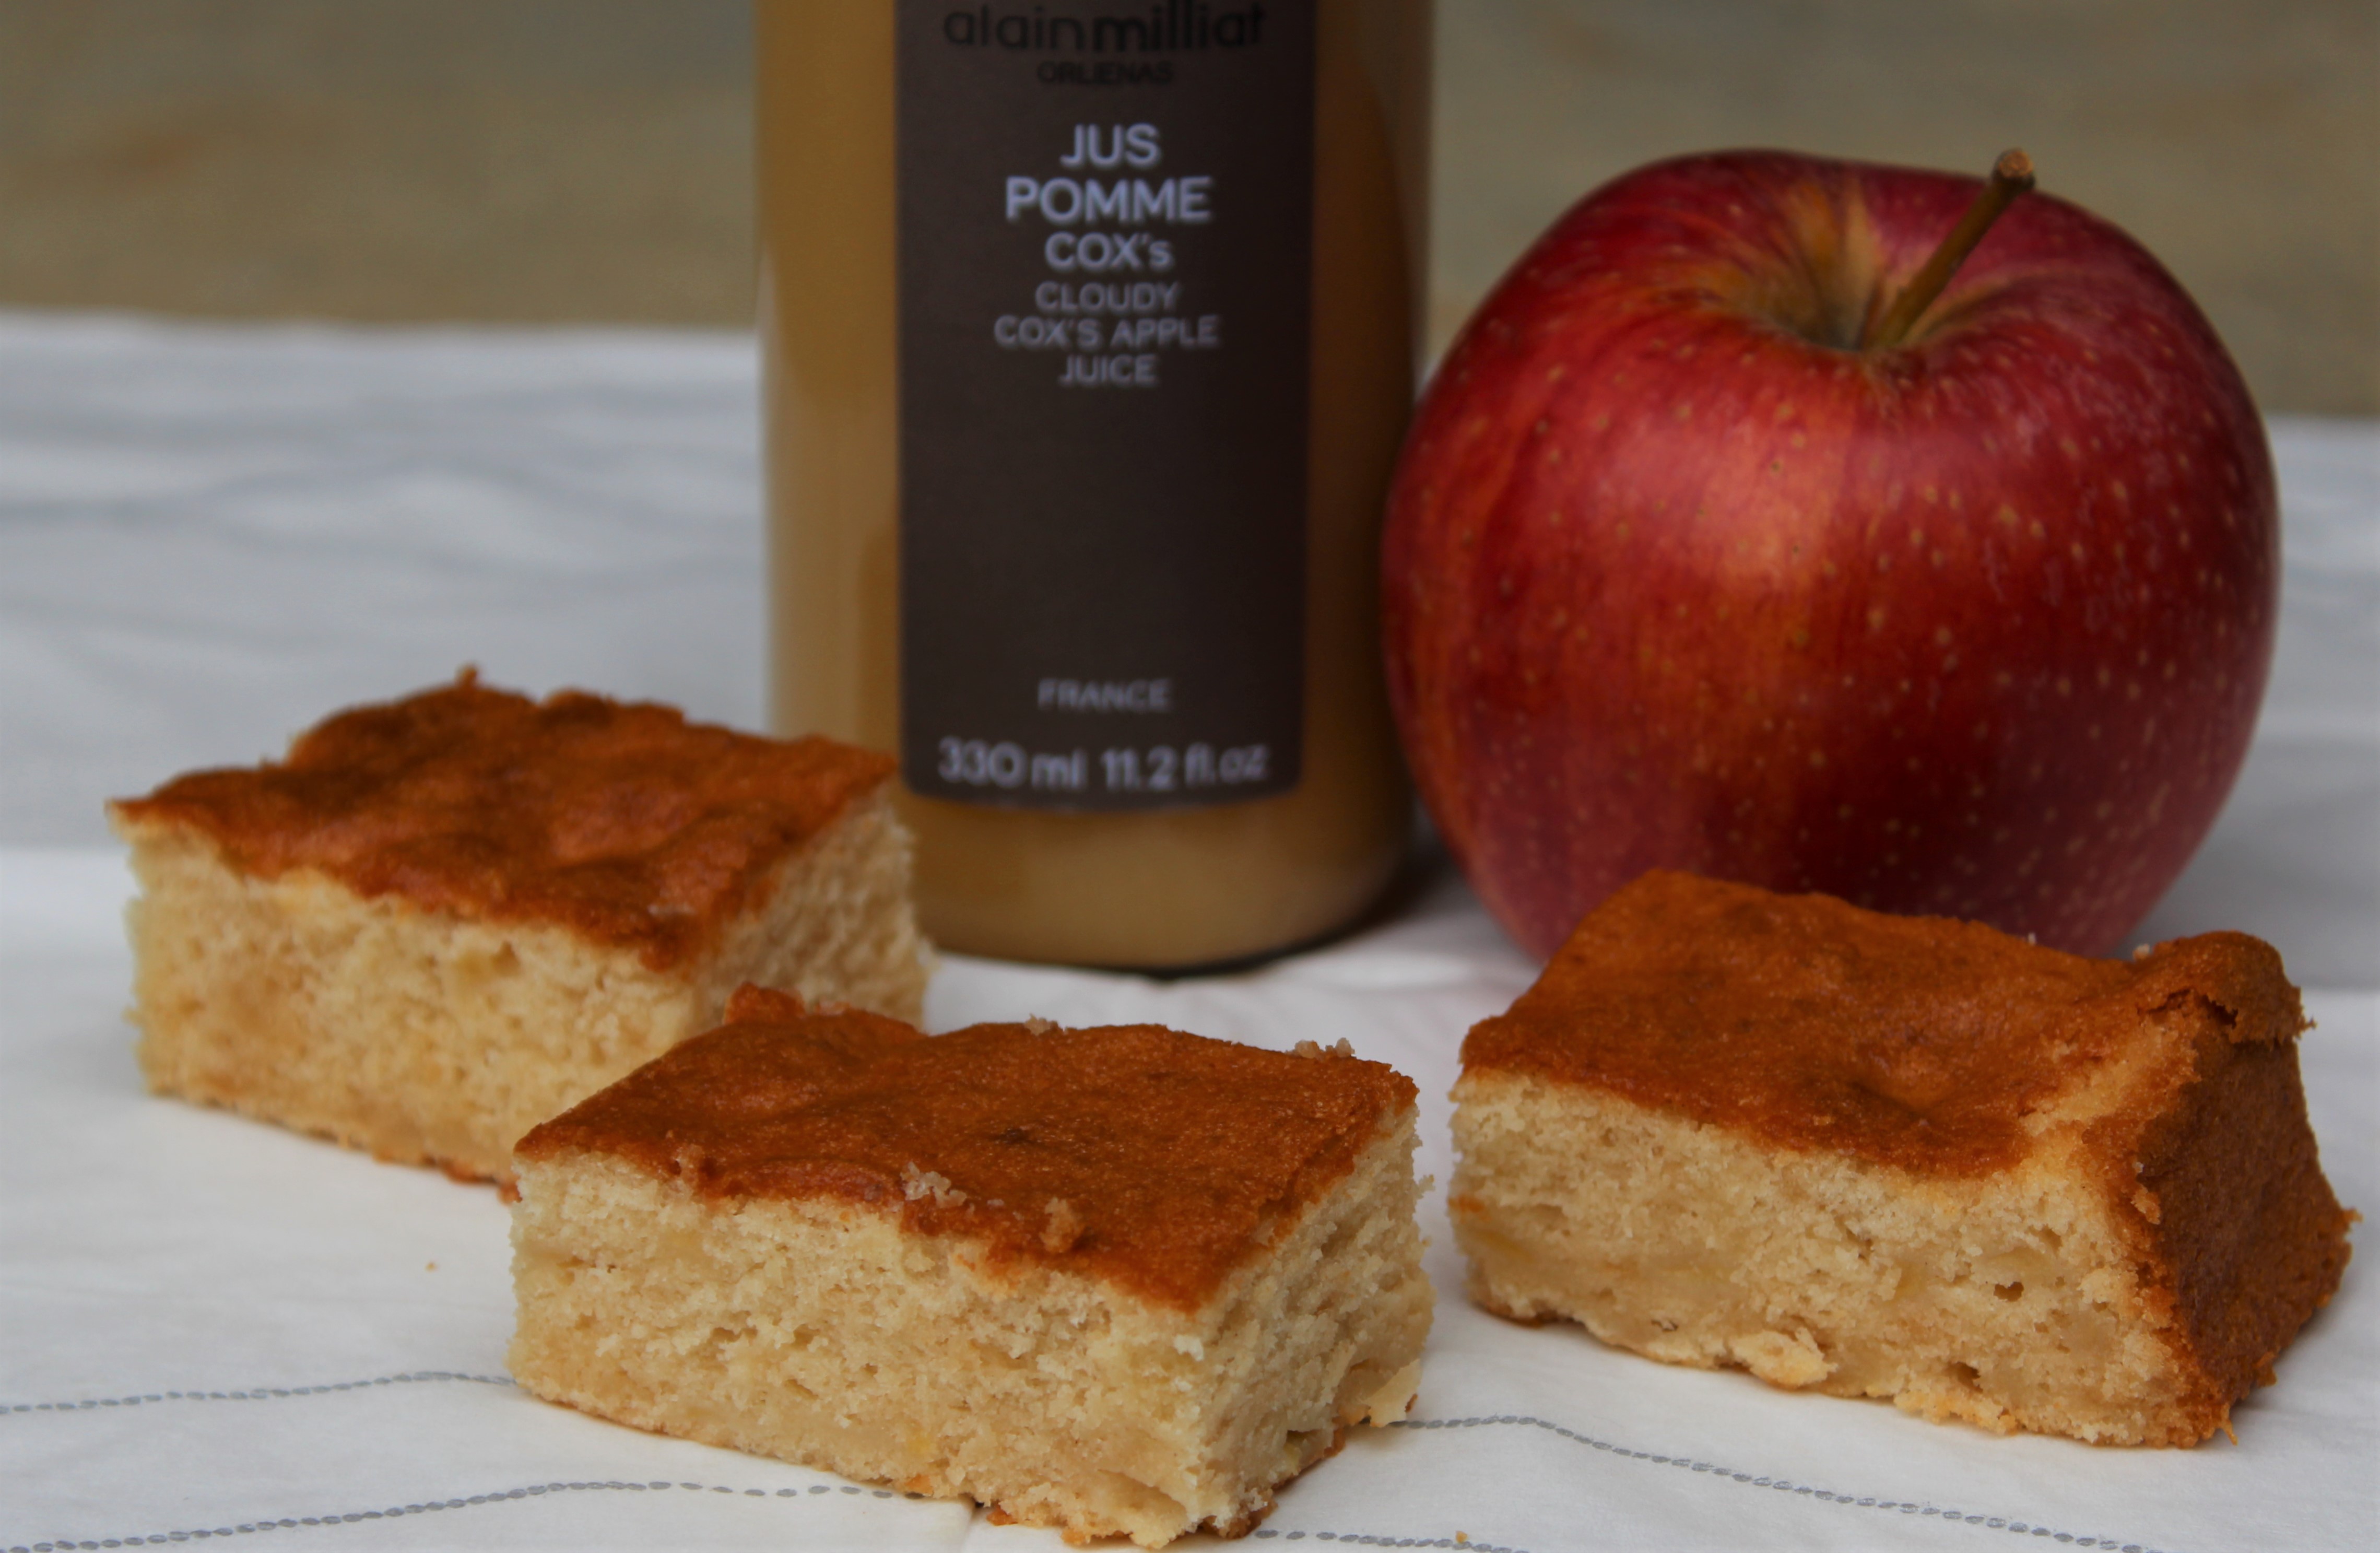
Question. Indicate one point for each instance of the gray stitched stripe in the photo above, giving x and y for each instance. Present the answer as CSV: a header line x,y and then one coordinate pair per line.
x,y
263,1393
1861,1501
535,1490
256,1394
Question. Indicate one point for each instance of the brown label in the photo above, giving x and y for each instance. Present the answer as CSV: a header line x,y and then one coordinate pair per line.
x,y
1105,246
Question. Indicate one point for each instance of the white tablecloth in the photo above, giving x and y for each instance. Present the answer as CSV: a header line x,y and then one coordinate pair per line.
x,y
208,1328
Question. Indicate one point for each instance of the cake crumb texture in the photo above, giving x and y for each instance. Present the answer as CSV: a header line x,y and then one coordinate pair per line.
x,y
1117,1281
1904,1157
421,935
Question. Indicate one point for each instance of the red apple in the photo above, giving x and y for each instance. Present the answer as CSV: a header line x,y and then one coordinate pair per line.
x,y
1684,568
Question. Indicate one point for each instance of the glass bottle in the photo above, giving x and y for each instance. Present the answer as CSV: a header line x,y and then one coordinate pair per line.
x,y
915,216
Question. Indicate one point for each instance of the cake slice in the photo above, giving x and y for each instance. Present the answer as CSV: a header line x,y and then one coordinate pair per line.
x,y
438,922
1116,1280
1903,1157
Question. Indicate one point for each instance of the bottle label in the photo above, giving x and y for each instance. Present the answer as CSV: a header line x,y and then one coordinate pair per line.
x,y
1106,237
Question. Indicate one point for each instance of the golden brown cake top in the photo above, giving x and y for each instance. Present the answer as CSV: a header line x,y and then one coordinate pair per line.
x,y
1811,1024
1154,1159
621,820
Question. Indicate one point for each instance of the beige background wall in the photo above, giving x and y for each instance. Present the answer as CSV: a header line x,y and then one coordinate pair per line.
x,y
589,159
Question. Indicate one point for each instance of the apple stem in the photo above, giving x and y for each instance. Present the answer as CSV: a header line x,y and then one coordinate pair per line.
x,y
2011,175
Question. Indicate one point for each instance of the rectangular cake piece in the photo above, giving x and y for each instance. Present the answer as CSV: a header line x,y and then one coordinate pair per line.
x,y
440,921
1115,1280
1903,1157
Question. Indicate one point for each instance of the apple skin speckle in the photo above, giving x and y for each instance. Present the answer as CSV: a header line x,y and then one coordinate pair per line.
x,y
1586,700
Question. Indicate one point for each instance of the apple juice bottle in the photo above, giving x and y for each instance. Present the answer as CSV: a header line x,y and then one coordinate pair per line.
x,y
1089,330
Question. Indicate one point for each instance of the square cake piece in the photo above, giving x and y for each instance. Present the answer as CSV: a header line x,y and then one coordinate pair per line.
x,y
440,921
1115,1280
1903,1157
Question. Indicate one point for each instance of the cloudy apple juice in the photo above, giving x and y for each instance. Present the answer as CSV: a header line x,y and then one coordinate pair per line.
x,y
1089,334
